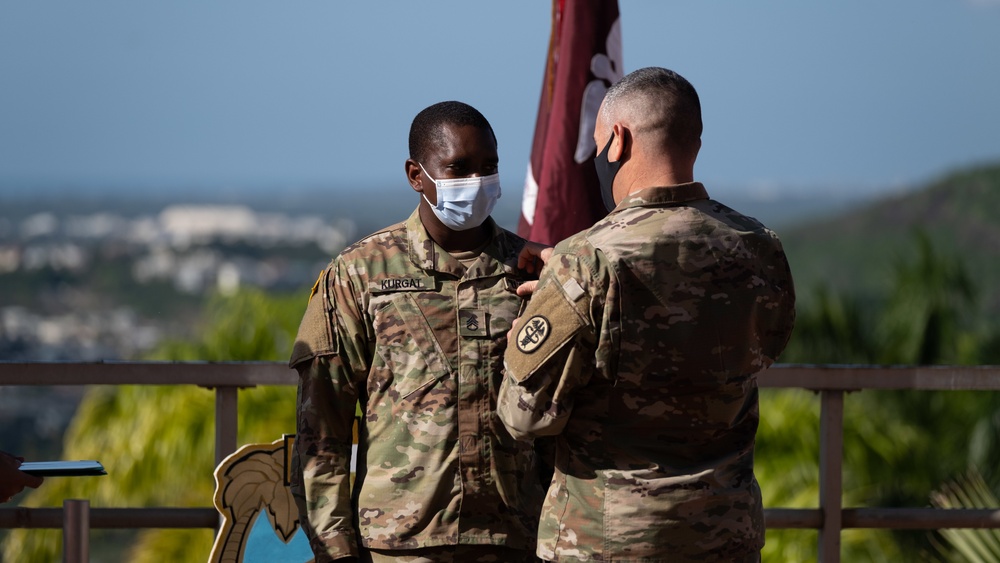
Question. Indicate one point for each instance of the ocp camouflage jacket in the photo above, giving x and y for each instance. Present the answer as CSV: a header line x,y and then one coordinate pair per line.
x,y
401,326
639,351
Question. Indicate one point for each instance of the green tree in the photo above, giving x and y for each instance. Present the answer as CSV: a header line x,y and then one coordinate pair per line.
x,y
158,442
975,546
786,461
899,445
926,320
836,329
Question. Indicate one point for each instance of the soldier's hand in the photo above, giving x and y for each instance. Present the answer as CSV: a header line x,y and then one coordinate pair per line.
x,y
533,256
527,288
13,479
512,333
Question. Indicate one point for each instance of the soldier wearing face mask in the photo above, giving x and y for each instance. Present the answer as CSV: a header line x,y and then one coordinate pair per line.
x,y
640,348
410,323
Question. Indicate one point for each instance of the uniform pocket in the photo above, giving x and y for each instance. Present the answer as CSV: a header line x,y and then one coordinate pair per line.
x,y
406,344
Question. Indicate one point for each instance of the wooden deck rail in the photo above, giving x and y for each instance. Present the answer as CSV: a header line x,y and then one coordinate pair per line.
x,y
830,381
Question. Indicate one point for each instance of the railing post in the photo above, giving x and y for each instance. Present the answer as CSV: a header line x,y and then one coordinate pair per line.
x,y
226,422
76,531
831,454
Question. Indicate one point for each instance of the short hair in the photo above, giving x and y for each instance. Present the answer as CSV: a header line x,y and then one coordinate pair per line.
x,y
426,127
660,101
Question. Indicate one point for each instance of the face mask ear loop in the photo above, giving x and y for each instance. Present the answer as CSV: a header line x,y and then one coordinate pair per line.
x,y
424,170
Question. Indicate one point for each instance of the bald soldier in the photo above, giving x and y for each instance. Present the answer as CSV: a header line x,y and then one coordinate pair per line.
x,y
411,323
640,346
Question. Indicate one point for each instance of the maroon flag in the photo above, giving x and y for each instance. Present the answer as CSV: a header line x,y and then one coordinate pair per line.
x,y
561,193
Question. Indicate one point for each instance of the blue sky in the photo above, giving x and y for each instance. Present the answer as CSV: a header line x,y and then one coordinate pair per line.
x,y
252,94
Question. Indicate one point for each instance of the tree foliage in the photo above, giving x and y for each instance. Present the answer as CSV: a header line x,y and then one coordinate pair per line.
x,y
852,252
158,442
973,546
898,445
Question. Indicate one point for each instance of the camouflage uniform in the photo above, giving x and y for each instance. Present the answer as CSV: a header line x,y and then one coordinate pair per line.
x,y
397,323
639,350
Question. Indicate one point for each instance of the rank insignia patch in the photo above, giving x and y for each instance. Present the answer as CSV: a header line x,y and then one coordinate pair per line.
x,y
473,323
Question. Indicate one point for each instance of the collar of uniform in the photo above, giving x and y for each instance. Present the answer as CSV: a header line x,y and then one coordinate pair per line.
x,y
662,195
428,255
503,248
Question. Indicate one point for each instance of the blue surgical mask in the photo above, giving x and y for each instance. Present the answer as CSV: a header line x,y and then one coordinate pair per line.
x,y
464,203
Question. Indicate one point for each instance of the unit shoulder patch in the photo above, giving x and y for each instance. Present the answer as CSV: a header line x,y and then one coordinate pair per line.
x,y
533,334
550,322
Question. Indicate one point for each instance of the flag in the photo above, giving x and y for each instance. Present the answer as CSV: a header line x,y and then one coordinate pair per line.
x,y
561,193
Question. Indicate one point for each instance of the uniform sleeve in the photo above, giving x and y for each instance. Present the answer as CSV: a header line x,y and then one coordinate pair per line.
x,y
552,353
328,355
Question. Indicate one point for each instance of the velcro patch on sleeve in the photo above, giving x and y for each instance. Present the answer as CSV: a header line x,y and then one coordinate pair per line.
x,y
319,280
316,336
548,324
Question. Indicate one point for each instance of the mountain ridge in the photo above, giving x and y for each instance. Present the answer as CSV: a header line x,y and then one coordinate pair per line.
x,y
856,250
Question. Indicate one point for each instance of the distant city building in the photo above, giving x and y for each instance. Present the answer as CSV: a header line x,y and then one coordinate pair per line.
x,y
197,249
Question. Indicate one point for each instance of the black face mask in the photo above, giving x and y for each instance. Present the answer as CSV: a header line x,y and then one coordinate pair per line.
x,y
606,172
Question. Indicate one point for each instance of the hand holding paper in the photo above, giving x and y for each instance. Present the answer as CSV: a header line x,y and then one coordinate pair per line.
x,y
12,479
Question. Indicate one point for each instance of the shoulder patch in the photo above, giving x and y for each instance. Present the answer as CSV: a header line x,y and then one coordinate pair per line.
x,y
319,279
317,333
550,322
533,334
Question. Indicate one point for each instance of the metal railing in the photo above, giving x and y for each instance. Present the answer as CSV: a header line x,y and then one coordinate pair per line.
x,y
831,382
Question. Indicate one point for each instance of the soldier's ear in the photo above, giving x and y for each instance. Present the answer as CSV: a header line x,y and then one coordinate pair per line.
x,y
414,175
622,139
